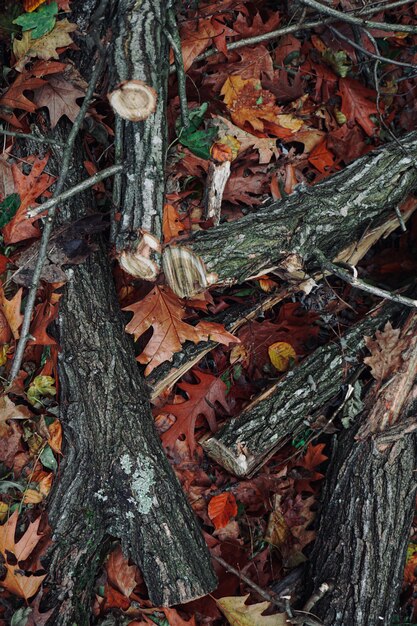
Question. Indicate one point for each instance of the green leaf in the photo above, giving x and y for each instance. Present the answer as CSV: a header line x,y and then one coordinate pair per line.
x,y
338,61
40,386
5,485
8,208
198,141
40,22
47,459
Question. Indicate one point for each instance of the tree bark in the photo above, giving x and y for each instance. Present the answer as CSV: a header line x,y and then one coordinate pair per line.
x,y
333,216
368,507
140,52
247,441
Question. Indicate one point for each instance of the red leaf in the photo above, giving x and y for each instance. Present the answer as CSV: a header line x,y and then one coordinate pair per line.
x,y
222,508
357,105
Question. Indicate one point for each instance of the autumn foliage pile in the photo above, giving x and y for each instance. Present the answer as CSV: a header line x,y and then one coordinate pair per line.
x,y
291,109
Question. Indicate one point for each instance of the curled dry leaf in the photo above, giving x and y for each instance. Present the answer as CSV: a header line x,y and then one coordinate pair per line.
x,y
385,352
240,614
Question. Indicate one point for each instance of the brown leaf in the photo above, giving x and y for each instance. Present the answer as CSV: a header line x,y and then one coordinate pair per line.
x,y
162,310
44,47
14,98
222,508
385,352
16,581
202,399
10,411
60,98
119,573
197,36
6,179
11,311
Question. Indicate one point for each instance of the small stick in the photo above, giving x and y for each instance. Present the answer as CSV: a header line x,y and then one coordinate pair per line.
x,y
358,21
12,133
367,52
360,284
264,594
287,30
69,193
66,159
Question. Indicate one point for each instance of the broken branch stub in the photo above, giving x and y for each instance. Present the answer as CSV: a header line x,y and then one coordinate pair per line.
x,y
133,100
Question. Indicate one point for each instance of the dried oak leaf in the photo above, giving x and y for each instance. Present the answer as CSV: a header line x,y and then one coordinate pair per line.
x,y
45,47
357,105
202,399
197,36
240,614
16,580
162,310
60,97
385,351
14,98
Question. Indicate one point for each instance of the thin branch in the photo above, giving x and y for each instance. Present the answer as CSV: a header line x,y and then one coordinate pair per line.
x,y
69,193
66,160
294,28
367,52
264,594
358,21
12,133
174,39
360,284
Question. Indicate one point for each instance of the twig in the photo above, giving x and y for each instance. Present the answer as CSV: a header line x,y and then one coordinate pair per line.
x,y
66,160
12,133
264,594
367,52
117,183
175,41
69,193
351,19
287,30
360,284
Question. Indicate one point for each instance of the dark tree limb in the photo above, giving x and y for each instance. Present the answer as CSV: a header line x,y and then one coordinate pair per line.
x,y
368,507
334,216
140,52
247,441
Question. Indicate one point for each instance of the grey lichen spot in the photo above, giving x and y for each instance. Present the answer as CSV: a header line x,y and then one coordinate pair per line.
x,y
141,481
126,463
100,495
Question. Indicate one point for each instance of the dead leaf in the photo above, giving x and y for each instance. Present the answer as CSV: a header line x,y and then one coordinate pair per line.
x,y
45,47
240,614
222,508
162,310
11,311
14,98
16,580
119,573
60,98
358,104
197,36
385,351
202,399
10,411
171,224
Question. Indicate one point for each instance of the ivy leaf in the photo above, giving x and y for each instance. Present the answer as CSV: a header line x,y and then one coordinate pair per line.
x,y
198,141
8,208
41,22
48,460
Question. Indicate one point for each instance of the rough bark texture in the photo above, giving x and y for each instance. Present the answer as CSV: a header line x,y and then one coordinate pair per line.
x,y
330,216
140,52
248,440
368,507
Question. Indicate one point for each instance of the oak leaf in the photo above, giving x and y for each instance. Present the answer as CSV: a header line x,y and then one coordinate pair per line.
x,y
240,614
266,147
385,351
222,508
14,97
198,36
120,574
60,97
11,310
202,398
16,581
358,104
162,310
30,187
44,48
171,224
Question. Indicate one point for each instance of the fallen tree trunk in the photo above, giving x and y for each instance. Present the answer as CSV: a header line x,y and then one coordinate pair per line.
x,y
247,441
140,53
335,216
361,549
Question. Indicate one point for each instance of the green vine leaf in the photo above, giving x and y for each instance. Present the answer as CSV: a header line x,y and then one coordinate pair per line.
x,y
8,208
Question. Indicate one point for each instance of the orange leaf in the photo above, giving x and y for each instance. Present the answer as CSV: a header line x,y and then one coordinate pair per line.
x,y
162,310
222,508
171,224
11,310
31,5
55,431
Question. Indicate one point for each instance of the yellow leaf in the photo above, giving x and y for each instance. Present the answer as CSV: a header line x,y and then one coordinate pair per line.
x,y
44,47
233,85
281,353
240,614
32,496
41,386
3,511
